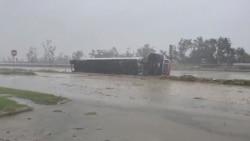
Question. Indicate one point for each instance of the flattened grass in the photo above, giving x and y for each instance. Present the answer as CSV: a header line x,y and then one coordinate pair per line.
x,y
4,71
7,105
36,97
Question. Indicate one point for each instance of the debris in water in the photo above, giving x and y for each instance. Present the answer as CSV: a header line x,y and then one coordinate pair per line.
x,y
99,129
239,91
108,88
57,111
199,98
78,128
90,114
187,78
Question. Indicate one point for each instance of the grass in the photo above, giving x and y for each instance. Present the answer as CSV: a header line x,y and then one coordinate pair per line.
x,y
48,71
191,78
52,71
4,71
36,97
189,67
7,105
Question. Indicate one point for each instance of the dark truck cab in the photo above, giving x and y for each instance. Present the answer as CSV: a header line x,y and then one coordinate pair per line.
x,y
154,64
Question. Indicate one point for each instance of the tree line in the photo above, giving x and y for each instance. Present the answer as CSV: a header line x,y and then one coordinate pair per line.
x,y
49,54
192,51
211,51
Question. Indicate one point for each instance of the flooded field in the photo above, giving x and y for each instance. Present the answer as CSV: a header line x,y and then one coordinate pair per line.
x,y
130,108
146,89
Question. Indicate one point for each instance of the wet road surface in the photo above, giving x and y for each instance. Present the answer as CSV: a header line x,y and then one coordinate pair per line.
x,y
203,74
129,108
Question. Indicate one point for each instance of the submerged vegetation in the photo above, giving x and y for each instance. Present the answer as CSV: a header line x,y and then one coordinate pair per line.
x,y
190,78
36,97
7,105
10,107
4,71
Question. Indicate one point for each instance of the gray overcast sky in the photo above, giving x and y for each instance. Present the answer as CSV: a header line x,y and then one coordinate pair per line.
x,y
100,24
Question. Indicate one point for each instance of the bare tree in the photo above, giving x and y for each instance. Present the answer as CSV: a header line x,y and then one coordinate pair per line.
x,y
62,59
32,55
128,53
49,52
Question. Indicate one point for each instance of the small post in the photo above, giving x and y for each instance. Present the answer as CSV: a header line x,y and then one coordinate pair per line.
x,y
13,64
13,53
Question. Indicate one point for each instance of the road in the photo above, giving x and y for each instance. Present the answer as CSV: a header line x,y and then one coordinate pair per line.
x,y
125,108
203,74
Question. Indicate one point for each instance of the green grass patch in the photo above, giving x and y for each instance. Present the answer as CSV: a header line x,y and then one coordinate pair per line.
x,y
7,105
36,97
4,71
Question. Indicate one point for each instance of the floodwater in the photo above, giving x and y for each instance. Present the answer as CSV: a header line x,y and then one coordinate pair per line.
x,y
203,74
130,108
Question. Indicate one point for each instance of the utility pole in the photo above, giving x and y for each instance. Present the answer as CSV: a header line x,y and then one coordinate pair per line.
x,y
170,58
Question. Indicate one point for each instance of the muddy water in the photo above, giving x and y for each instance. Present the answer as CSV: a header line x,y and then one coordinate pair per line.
x,y
133,89
131,108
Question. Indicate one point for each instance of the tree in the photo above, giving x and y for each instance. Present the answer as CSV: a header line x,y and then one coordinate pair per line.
x,y
164,53
241,56
145,51
49,52
214,51
128,53
174,53
77,55
114,52
183,46
203,50
32,55
62,59
224,50
104,53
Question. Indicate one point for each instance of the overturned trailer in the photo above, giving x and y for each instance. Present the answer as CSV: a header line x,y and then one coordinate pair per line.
x,y
106,65
154,64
